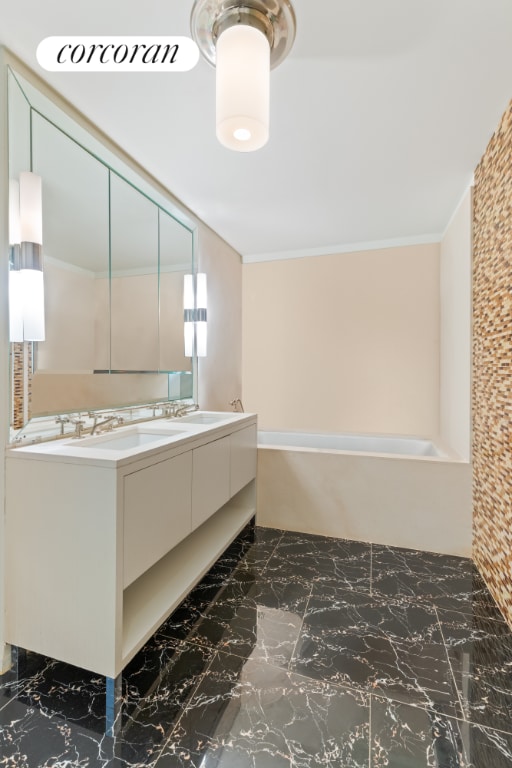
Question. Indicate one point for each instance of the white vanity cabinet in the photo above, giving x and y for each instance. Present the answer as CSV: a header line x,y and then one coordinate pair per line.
x,y
210,482
157,513
101,548
242,468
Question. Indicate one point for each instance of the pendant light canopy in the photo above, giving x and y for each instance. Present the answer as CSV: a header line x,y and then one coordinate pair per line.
x,y
243,39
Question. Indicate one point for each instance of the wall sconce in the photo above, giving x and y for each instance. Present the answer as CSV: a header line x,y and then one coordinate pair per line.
x,y
26,285
243,39
195,314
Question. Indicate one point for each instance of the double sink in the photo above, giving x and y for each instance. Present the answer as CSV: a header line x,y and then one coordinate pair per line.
x,y
140,435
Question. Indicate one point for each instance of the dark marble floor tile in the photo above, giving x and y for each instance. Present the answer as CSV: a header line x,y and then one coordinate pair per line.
x,y
264,535
33,737
238,548
255,617
182,622
252,547
257,557
413,673
263,538
410,737
64,691
30,668
155,688
445,580
158,684
396,648
271,662
465,629
360,613
480,653
253,715
477,601
319,558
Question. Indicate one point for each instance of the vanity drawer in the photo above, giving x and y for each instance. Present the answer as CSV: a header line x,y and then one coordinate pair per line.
x,y
210,479
243,458
157,513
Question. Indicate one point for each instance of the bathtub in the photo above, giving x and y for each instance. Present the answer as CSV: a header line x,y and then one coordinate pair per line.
x,y
407,446
401,491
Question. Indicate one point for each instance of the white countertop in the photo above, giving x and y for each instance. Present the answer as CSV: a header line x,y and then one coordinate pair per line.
x,y
127,444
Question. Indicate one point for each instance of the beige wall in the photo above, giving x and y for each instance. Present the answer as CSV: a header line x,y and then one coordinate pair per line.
x,y
455,390
69,320
344,343
220,373
86,391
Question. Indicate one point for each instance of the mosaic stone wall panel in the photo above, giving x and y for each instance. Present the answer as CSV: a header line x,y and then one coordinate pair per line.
x,y
492,366
21,383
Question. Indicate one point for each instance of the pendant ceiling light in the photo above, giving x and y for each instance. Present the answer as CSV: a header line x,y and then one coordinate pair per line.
x,y
244,40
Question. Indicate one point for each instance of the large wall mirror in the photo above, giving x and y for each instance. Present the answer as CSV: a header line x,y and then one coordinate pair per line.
x,y
115,252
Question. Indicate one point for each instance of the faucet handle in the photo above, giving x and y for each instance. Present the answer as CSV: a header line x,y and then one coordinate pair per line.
x,y
62,420
79,425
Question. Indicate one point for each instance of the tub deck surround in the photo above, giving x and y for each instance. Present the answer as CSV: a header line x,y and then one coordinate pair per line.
x,y
396,491
294,650
130,521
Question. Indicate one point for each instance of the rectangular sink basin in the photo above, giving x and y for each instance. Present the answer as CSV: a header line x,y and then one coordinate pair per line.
x,y
205,418
128,440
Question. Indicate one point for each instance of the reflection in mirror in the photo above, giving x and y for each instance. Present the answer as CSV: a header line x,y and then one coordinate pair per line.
x,y
115,252
19,160
133,279
175,248
76,240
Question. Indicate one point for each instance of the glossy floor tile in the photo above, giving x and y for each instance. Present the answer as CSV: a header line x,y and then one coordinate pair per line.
x,y
394,648
294,651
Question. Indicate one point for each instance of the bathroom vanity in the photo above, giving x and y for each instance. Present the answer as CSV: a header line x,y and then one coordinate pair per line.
x,y
108,533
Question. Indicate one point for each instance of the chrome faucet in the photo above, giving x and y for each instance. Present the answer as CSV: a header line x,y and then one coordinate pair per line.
x,y
183,408
237,404
108,422
169,410
79,427
62,420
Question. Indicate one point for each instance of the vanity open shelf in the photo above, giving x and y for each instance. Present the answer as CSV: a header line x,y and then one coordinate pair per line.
x,y
170,580
103,544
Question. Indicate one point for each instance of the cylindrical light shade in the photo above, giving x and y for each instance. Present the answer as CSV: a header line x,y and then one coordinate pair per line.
x,y
14,212
188,292
242,88
201,307
32,285
194,314
201,294
188,314
31,208
16,304
188,338
201,333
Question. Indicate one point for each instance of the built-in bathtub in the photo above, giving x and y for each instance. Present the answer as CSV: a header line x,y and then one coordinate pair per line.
x,y
403,491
